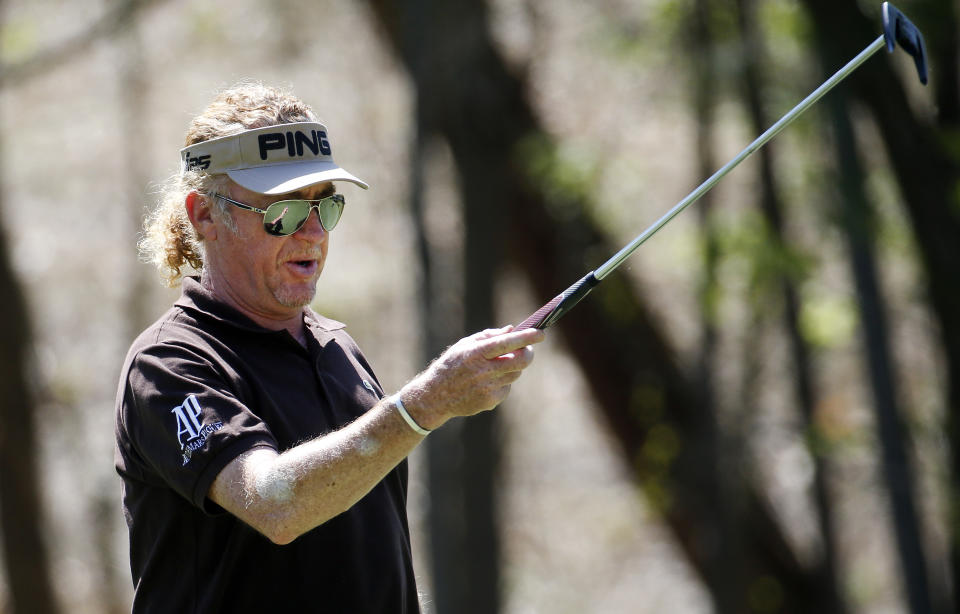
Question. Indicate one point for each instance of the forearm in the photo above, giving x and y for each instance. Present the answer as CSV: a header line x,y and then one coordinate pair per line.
x,y
285,495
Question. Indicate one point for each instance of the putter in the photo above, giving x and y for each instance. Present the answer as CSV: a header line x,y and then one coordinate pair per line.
x,y
896,29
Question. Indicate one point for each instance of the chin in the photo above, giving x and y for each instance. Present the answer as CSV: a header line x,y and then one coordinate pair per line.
x,y
295,298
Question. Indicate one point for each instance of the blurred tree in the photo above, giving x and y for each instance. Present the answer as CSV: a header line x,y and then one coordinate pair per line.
x,y
925,156
134,90
75,45
898,473
463,456
786,280
718,445
21,511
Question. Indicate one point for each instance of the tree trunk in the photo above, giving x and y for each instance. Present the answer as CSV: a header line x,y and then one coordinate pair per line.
x,y
898,474
726,460
928,174
772,208
463,457
21,510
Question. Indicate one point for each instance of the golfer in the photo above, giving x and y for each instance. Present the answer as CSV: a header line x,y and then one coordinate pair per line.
x,y
263,466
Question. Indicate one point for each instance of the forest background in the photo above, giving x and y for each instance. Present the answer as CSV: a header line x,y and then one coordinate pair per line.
x,y
757,413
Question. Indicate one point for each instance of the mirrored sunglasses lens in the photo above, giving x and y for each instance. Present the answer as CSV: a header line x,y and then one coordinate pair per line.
x,y
330,211
285,217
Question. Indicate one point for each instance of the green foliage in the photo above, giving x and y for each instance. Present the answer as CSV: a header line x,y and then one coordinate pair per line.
x,y
659,493
18,40
661,447
671,13
630,41
653,461
784,21
768,261
710,298
564,174
828,321
647,403
662,33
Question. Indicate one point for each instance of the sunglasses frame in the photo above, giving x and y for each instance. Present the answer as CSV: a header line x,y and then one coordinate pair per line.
x,y
314,204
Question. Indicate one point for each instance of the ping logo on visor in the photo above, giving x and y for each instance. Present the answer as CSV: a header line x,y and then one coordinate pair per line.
x,y
295,142
270,160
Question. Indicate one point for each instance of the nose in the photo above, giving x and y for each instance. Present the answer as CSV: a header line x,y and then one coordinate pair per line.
x,y
312,229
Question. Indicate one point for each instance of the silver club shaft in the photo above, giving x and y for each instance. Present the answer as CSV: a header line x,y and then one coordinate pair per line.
x,y
607,267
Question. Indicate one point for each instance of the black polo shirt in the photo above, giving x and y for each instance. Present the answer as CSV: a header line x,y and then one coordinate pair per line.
x,y
199,387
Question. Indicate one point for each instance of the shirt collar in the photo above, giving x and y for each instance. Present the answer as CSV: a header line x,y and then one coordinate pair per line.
x,y
197,298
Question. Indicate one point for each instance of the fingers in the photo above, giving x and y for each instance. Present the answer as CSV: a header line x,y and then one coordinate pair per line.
x,y
508,341
473,375
517,360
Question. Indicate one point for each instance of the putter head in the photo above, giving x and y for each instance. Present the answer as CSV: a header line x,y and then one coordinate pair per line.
x,y
898,29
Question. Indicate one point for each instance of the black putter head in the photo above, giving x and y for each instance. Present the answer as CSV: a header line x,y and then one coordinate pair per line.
x,y
898,29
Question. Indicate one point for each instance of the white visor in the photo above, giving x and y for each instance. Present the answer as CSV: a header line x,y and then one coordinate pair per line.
x,y
271,160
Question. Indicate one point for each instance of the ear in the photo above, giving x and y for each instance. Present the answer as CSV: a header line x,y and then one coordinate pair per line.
x,y
201,216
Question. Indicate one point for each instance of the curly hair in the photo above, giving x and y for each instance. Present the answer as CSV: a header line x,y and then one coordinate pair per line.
x,y
169,240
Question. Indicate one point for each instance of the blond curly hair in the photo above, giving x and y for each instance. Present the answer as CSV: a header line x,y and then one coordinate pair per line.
x,y
169,240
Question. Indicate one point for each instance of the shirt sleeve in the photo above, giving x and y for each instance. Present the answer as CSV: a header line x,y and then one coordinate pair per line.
x,y
184,416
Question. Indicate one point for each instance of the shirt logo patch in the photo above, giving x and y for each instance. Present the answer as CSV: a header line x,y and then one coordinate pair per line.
x,y
191,432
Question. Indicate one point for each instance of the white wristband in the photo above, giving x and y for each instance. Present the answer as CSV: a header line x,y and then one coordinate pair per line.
x,y
395,399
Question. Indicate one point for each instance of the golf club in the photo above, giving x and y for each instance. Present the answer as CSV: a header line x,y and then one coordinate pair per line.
x,y
896,29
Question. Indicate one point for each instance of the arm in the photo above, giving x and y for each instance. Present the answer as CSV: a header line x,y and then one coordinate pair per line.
x,y
285,495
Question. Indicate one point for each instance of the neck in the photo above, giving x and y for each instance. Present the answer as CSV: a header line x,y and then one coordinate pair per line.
x,y
293,323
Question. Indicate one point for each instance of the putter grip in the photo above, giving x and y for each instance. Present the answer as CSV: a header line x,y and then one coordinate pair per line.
x,y
560,304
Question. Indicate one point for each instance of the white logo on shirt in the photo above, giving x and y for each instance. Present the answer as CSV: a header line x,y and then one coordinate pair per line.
x,y
191,432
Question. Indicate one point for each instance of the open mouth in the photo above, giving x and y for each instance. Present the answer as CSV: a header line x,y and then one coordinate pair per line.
x,y
304,268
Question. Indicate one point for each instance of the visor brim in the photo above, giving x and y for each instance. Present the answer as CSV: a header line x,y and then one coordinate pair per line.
x,y
285,178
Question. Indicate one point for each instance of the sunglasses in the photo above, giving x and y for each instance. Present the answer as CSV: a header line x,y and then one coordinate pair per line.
x,y
286,217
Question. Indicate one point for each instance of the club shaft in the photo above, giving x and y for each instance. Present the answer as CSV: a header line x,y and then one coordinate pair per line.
x,y
618,258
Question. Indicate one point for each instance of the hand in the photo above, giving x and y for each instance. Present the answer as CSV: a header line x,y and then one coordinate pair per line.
x,y
471,376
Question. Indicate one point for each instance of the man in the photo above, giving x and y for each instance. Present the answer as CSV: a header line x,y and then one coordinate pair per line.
x,y
263,467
